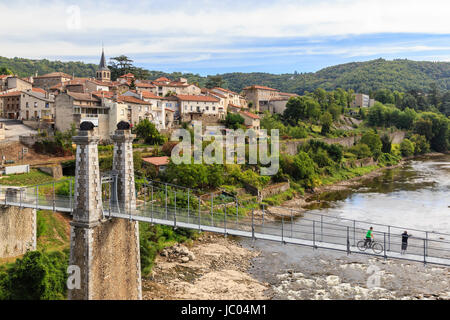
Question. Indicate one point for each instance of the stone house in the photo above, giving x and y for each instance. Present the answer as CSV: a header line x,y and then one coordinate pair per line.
x,y
37,104
260,96
51,79
10,104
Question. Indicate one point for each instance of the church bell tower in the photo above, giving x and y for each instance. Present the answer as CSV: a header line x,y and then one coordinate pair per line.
x,y
103,72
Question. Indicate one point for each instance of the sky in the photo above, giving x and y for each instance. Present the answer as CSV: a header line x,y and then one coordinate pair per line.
x,y
211,37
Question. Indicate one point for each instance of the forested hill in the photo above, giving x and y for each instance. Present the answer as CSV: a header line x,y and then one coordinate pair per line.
x,y
401,75
28,67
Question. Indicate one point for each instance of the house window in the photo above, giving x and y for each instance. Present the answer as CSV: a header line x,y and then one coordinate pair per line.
x,y
27,104
207,108
35,104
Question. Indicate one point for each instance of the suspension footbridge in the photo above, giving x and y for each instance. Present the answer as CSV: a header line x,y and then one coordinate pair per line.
x,y
175,206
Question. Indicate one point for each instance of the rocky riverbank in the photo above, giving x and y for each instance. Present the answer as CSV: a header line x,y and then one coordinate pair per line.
x,y
297,273
213,268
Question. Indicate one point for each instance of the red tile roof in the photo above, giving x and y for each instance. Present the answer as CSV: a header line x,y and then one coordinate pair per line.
x,y
128,75
3,76
254,87
39,90
103,94
11,94
150,95
157,161
224,90
54,75
130,99
144,85
183,97
249,114
162,79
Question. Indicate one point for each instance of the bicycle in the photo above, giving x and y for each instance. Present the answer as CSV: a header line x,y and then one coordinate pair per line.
x,y
375,246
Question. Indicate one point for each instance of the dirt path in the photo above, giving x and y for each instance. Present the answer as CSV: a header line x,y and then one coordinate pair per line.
x,y
218,272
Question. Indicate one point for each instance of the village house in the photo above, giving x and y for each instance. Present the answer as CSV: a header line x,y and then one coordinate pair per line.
x,y
4,82
259,96
14,83
165,86
201,108
75,108
160,111
159,163
51,79
362,101
252,121
37,104
10,104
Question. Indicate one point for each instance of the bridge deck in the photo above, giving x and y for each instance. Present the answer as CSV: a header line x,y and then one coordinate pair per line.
x,y
304,232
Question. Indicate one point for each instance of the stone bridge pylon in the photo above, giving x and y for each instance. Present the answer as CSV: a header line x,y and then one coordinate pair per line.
x,y
106,251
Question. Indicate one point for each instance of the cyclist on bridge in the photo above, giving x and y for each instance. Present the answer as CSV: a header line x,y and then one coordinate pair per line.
x,y
369,236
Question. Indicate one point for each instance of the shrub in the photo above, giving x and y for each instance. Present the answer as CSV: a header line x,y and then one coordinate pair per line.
x,y
421,145
407,148
361,151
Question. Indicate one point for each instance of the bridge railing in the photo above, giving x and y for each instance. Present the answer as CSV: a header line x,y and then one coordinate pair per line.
x,y
317,232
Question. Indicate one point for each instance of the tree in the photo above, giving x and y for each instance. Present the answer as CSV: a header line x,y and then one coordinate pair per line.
x,y
409,101
214,81
5,71
301,108
421,145
387,143
39,276
148,132
385,96
326,120
119,66
234,121
407,148
373,141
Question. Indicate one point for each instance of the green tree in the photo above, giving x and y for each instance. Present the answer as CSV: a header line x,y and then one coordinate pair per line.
x,y
387,143
214,81
326,120
148,132
301,108
234,121
407,148
39,276
421,145
373,141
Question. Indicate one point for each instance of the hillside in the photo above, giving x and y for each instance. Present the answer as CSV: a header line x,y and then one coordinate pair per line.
x,y
28,67
401,75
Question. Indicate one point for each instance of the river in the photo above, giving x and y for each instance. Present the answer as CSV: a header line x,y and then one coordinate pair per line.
x,y
414,196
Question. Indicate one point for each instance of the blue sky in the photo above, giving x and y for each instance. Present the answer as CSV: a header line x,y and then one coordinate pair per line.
x,y
210,37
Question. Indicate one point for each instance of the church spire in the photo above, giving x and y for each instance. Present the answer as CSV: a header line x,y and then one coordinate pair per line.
x,y
102,65
103,72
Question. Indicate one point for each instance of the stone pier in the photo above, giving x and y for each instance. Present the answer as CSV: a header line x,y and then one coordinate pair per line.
x,y
105,250
17,231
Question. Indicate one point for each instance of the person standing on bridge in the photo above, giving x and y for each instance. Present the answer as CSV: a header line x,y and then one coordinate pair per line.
x,y
369,236
405,237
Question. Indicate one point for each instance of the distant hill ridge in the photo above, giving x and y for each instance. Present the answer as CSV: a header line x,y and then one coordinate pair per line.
x,y
401,75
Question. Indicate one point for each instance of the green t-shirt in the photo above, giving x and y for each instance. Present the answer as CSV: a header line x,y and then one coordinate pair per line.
x,y
369,234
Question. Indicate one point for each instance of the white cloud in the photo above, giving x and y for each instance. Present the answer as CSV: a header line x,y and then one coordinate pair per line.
x,y
40,28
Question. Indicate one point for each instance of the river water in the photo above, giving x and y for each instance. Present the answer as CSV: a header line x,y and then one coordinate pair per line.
x,y
414,196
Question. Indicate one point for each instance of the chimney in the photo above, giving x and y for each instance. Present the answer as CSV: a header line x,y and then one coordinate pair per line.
x,y
140,95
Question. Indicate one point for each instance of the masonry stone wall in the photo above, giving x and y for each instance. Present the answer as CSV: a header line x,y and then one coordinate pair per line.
x,y
17,231
291,147
55,171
